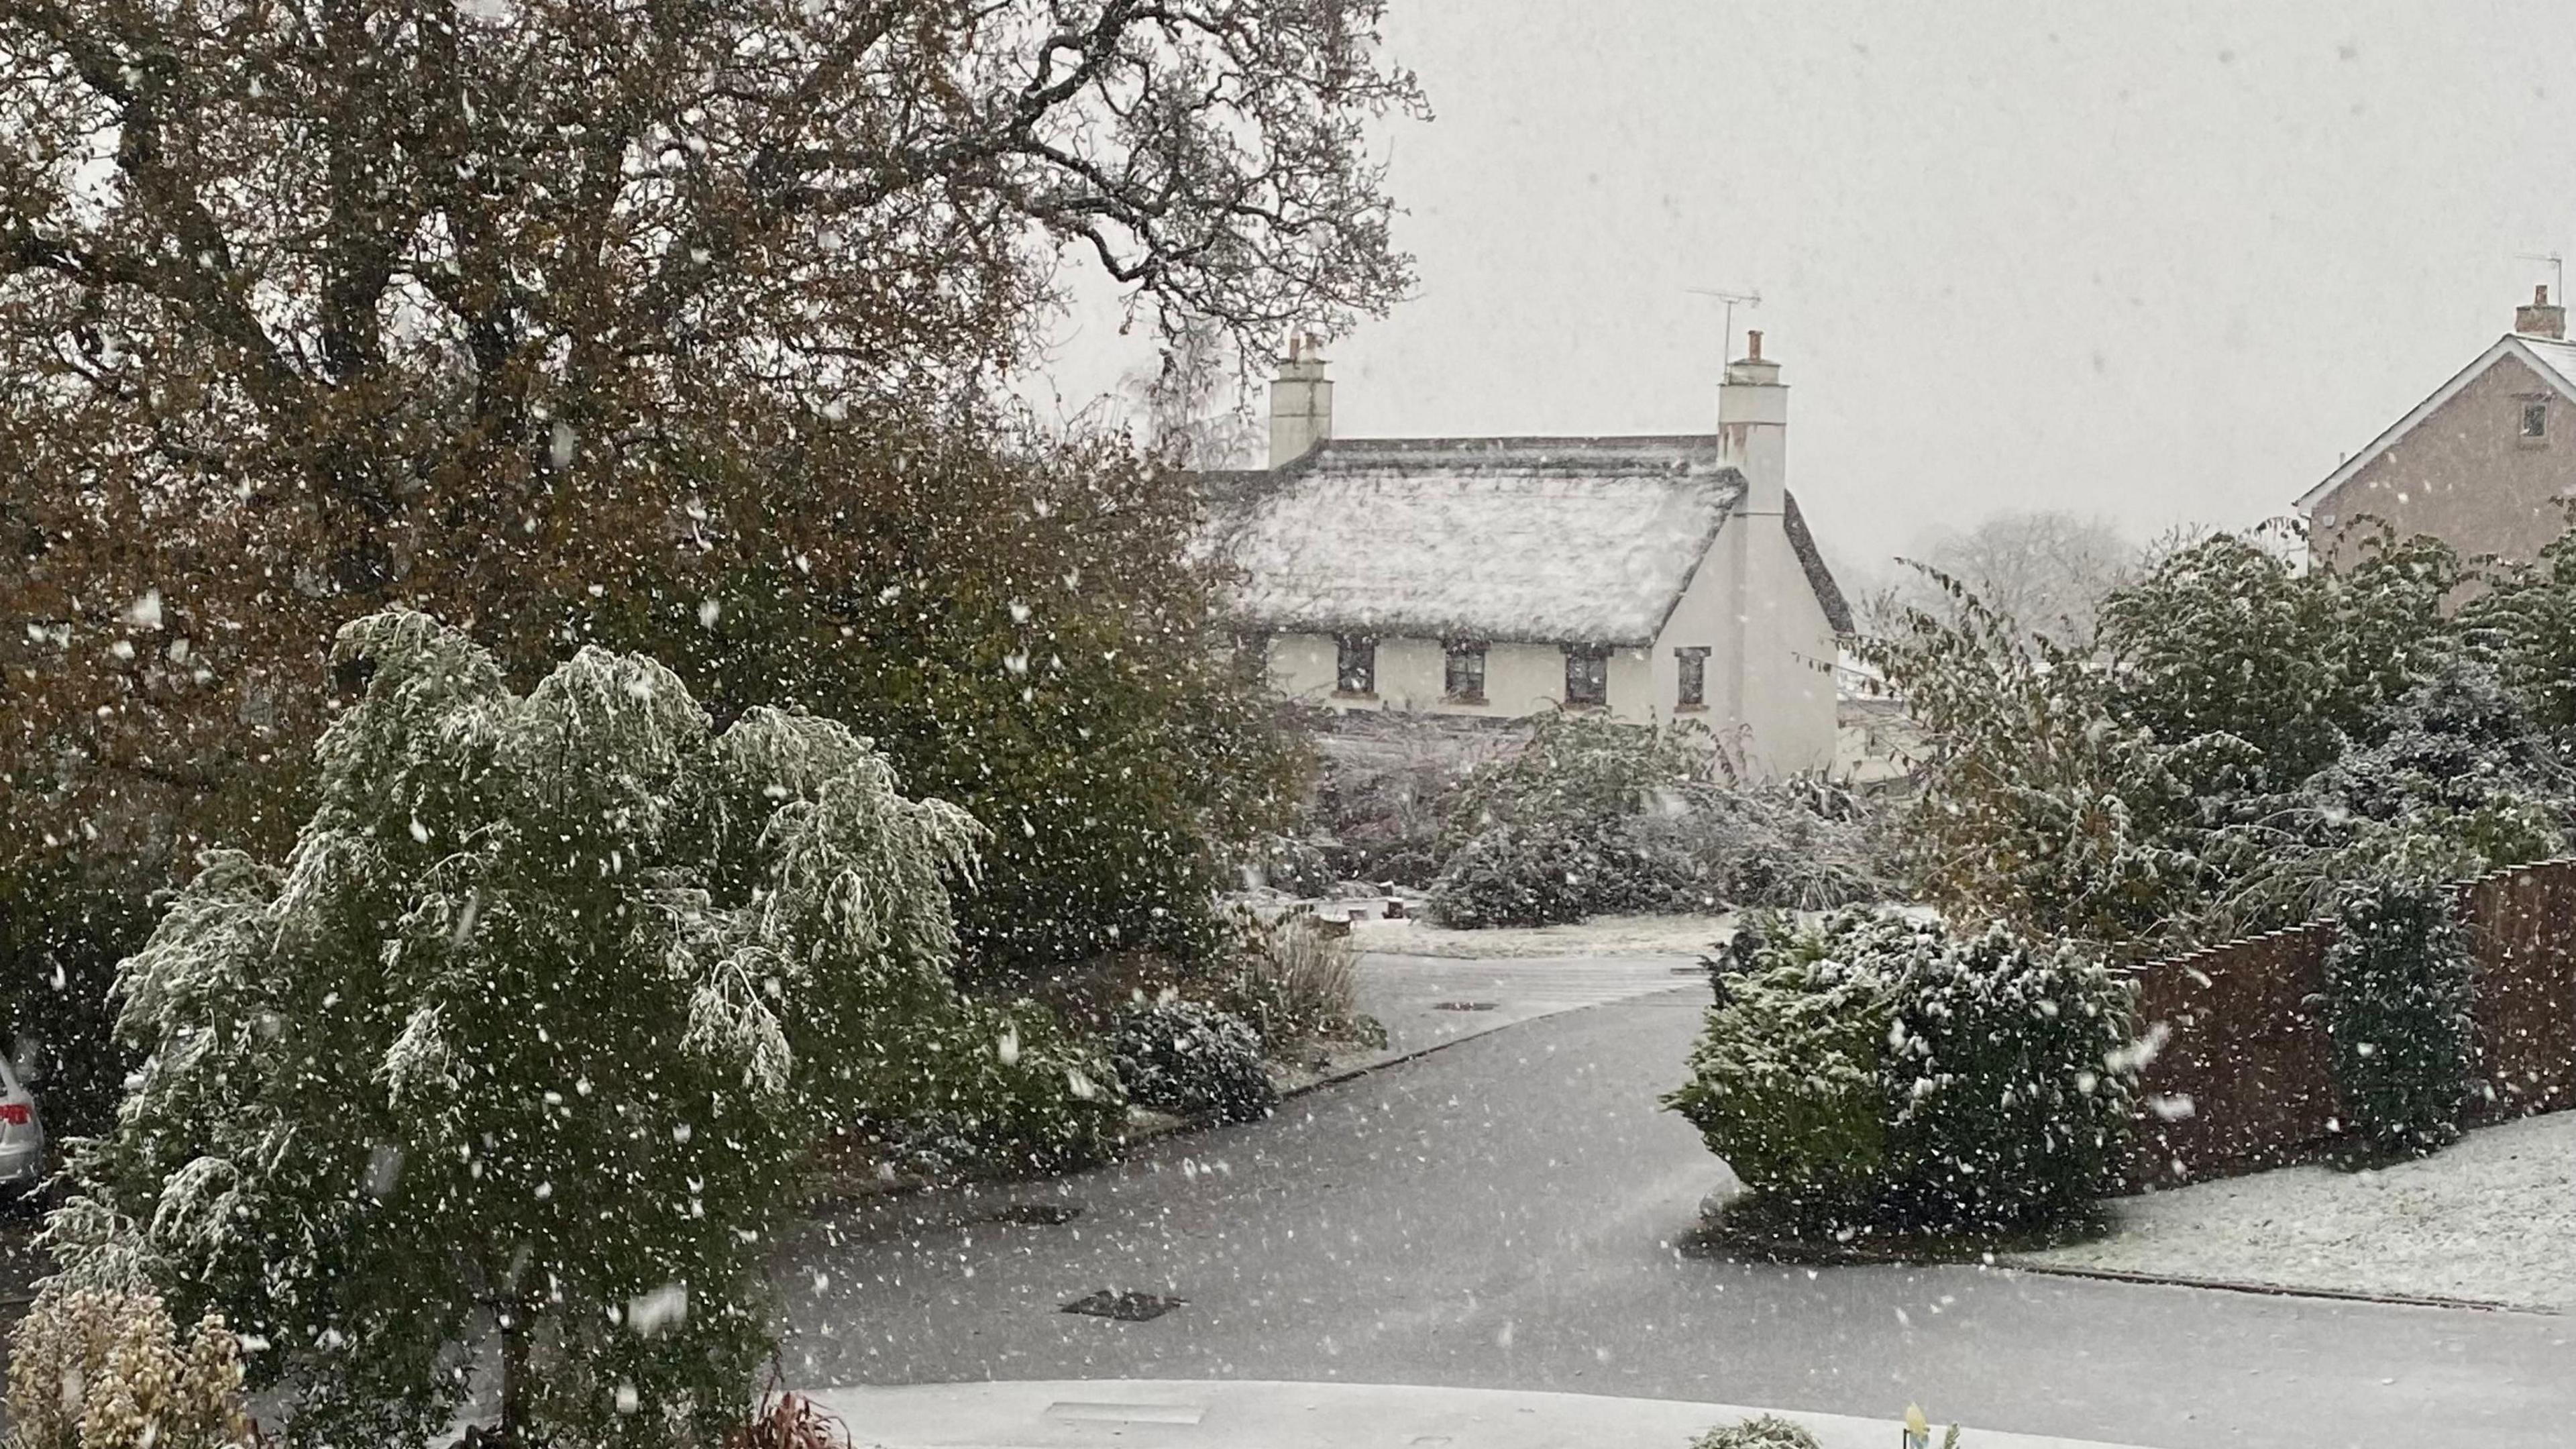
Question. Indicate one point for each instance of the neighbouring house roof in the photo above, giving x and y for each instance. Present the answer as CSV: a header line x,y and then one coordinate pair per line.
x,y
1542,540
2554,360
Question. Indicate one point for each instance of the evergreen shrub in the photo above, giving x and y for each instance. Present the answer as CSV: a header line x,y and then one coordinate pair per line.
x,y
1191,1060
1875,1073
2397,1013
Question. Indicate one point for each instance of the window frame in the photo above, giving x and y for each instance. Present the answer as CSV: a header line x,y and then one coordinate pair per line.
x,y
1690,677
2530,406
1452,652
1595,666
1348,648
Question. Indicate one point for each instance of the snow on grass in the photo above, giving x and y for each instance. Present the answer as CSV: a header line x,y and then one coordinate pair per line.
x,y
2491,1219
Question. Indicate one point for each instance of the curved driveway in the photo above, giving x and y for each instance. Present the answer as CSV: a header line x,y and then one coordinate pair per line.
x,y
1503,1214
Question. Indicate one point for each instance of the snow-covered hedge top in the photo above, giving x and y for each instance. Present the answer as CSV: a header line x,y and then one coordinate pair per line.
x,y
1548,540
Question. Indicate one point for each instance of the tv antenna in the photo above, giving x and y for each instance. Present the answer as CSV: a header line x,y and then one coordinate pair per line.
x,y
2557,271
1751,301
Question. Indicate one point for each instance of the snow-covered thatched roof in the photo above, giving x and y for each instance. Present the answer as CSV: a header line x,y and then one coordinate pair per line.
x,y
1546,540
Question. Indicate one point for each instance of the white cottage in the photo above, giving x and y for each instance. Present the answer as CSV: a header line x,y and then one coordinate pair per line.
x,y
1655,578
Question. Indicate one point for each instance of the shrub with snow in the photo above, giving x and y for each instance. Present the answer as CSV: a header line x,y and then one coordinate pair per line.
x,y
95,1370
2011,1082
1191,1060
1001,1090
1762,1431
1515,875
1594,816
1288,864
1293,984
537,1024
1797,843
2397,1013
1876,1073
1785,1082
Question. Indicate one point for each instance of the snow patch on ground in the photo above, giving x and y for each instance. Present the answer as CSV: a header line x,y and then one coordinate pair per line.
x,y
1600,936
2491,1219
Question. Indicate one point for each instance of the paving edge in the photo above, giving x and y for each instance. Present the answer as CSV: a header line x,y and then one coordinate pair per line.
x,y
2277,1290
1854,1256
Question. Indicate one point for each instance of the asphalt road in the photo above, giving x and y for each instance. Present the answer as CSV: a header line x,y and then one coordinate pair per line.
x,y
1503,1214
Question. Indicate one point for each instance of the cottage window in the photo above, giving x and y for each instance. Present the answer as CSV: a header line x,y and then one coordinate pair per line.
x,y
2535,418
1691,692
1587,676
1354,664
1464,680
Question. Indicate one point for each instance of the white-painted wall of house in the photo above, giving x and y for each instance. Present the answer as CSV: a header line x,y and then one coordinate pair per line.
x,y
1769,684
1702,619
1790,702
1412,673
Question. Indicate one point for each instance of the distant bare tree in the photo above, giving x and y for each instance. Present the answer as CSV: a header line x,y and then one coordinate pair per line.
x,y
1195,410
2045,570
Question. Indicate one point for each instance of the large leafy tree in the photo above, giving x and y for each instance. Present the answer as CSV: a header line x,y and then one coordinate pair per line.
x,y
531,1031
305,307
1017,623
2040,807
2239,737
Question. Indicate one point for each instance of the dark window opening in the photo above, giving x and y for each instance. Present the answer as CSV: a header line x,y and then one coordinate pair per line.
x,y
2535,418
1587,676
1354,664
1692,691
1464,680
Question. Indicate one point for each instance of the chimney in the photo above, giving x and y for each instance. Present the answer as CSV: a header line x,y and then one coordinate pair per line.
x,y
1301,402
2540,319
1753,427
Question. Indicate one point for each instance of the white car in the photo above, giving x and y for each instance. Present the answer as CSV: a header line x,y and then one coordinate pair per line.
x,y
22,1137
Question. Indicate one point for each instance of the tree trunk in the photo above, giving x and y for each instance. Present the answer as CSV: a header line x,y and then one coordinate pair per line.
x,y
514,1375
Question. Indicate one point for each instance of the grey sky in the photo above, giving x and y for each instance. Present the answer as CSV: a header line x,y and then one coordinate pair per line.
x,y
2162,261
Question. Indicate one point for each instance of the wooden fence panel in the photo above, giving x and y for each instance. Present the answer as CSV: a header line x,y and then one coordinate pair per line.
x,y
2242,1080
2246,1048
2522,929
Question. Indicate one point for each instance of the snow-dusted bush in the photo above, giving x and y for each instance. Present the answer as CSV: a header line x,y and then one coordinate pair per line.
x,y
1797,843
1577,772
1762,1431
1001,1090
2456,781
1872,1072
1290,865
534,1028
1595,816
1020,621
100,1370
2011,1082
2397,1013
1785,1078
1191,1060
1520,875
2203,766
1387,787
1293,984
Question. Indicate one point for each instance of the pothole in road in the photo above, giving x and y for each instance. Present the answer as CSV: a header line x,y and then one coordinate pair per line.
x,y
1464,1005
1125,1305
